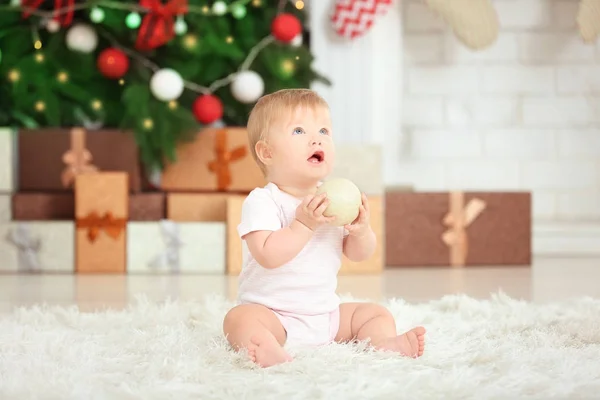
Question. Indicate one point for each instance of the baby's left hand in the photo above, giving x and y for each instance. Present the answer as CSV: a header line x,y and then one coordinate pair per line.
x,y
361,225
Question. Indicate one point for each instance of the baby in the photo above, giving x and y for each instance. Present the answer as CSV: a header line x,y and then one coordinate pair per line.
x,y
292,252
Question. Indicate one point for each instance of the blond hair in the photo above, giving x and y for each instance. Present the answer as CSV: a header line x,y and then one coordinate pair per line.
x,y
270,107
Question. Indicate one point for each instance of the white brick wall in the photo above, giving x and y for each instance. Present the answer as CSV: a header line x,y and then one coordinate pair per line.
x,y
523,114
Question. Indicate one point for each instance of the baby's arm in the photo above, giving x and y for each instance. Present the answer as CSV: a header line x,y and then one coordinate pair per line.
x,y
272,249
360,248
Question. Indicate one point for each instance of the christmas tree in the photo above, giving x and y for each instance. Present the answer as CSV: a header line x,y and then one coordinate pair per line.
x,y
161,69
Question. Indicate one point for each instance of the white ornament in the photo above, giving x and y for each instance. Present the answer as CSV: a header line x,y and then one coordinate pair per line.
x,y
247,87
344,200
297,41
166,84
82,38
52,26
219,8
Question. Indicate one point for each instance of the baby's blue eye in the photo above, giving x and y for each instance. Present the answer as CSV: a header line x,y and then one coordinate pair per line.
x,y
324,131
298,131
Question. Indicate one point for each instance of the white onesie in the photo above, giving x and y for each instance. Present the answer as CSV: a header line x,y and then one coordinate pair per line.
x,y
302,293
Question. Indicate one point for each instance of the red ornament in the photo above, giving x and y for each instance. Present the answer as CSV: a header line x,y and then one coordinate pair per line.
x,y
112,63
207,109
158,26
66,6
286,27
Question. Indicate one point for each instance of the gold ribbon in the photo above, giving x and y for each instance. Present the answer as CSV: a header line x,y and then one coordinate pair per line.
x,y
223,157
77,159
458,219
95,223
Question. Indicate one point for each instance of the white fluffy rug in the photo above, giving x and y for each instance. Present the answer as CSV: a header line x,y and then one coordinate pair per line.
x,y
495,349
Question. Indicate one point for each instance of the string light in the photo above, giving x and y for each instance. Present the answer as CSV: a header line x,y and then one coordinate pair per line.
x,y
40,106
172,104
229,39
238,11
219,8
97,15
62,77
299,4
37,44
121,82
39,57
148,124
205,10
96,105
190,41
256,3
14,75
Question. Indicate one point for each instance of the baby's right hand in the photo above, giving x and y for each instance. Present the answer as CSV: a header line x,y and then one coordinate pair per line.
x,y
310,211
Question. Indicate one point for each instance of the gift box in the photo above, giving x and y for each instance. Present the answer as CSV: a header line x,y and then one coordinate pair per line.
x,y
101,213
374,264
66,153
198,207
218,159
362,164
7,161
43,206
234,243
147,207
458,229
174,247
5,208
46,246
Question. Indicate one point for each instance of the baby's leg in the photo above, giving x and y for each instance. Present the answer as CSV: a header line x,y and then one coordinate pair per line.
x,y
257,329
360,321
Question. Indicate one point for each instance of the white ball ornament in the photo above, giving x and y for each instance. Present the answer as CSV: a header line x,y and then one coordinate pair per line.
x,y
297,41
247,87
219,8
344,200
166,84
82,38
52,26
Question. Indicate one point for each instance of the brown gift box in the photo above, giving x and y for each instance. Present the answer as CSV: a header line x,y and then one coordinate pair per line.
x,y
197,207
43,206
218,159
101,212
456,228
50,157
147,207
372,265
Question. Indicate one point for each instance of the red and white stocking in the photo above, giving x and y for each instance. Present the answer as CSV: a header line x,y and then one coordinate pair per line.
x,y
353,18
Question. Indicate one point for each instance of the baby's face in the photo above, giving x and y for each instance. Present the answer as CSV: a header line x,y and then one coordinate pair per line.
x,y
301,145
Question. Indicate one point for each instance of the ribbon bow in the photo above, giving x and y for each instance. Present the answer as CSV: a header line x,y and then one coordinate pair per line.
x,y
458,219
28,247
94,223
169,258
66,7
158,25
77,159
223,157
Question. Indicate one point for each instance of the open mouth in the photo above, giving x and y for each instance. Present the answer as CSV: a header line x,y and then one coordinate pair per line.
x,y
317,157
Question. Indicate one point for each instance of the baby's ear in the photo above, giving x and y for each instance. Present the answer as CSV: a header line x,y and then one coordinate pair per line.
x,y
263,152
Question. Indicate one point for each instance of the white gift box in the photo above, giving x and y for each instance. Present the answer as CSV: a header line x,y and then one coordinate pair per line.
x,y
37,246
5,208
362,164
176,247
7,150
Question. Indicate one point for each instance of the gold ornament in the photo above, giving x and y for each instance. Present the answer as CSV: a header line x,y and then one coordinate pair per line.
x,y
148,124
288,67
14,75
96,105
190,41
62,77
299,4
256,3
40,106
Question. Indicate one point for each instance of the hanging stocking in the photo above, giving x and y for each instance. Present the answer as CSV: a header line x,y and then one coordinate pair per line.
x,y
353,18
588,20
474,22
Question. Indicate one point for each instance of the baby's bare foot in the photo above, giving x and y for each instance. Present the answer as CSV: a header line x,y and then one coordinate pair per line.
x,y
267,354
411,343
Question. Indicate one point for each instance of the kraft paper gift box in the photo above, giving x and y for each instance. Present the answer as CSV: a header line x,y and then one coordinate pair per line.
x,y
101,212
218,159
147,207
198,207
458,228
373,265
46,246
362,164
43,206
7,161
169,247
69,152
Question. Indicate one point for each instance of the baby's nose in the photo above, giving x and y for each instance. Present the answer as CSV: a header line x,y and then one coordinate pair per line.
x,y
314,142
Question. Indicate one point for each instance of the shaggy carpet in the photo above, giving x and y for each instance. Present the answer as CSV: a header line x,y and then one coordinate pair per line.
x,y
500,348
